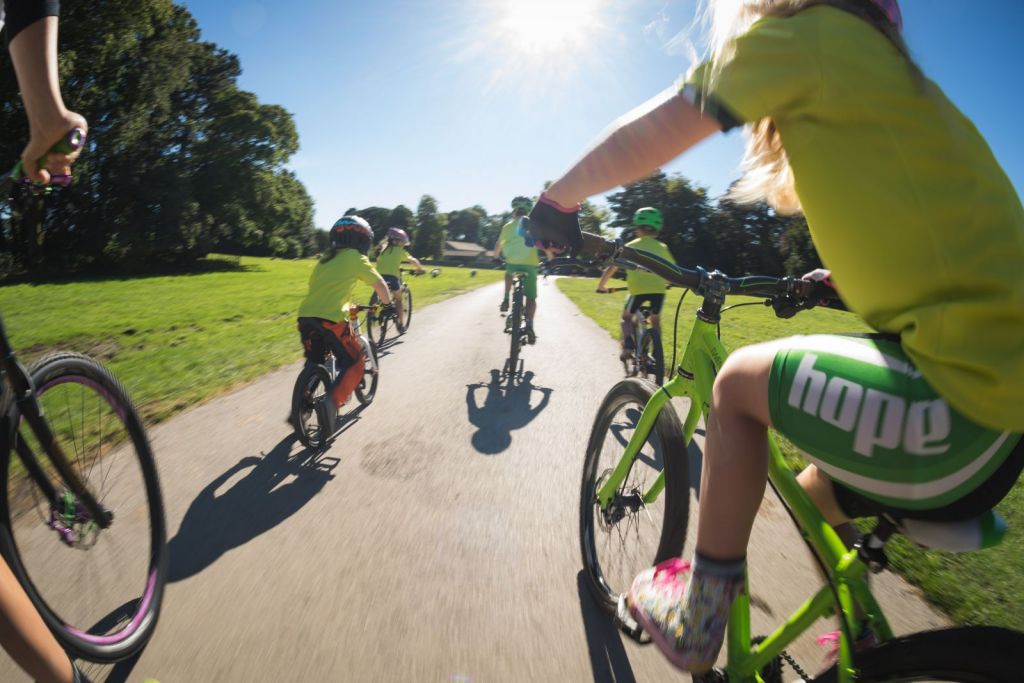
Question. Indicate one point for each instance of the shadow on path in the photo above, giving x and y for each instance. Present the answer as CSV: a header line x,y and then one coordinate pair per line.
x,y
276,486
505,408
608,660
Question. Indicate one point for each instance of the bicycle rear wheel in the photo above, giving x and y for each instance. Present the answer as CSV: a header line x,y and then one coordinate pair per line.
x,y
973,654
516,330
652,360
367,388
310,386
98,590
406,320
629,536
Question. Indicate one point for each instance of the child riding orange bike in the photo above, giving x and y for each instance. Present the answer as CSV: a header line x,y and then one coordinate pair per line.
x,y
323,314
925,235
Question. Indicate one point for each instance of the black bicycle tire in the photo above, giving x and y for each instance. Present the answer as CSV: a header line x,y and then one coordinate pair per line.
x,y
298,400
677,483
406,295
516,331
658,354
376,324
43,372
970,654
365,398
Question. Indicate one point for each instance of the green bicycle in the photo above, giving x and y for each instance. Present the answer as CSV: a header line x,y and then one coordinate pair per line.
x,y
635,492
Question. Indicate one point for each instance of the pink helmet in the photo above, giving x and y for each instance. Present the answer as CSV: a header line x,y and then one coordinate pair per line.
x,y
891,10
398,235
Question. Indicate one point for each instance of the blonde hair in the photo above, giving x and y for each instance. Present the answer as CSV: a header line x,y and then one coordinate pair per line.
x,y
767,175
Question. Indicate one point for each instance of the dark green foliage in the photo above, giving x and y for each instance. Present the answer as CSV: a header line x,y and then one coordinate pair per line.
x,y
179,162
429,237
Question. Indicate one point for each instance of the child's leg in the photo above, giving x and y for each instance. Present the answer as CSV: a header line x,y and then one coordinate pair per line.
x,y
735,467
686,613
627,324
818,486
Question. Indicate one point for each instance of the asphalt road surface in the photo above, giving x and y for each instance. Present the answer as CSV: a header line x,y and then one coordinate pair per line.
x,y
435,541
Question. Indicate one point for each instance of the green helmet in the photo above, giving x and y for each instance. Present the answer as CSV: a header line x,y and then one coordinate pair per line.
x,y
649,217
521,203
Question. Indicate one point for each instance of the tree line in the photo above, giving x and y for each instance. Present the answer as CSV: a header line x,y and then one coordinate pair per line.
x,y
181,162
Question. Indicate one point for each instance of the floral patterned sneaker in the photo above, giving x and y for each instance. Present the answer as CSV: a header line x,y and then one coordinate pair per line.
x,y
684,613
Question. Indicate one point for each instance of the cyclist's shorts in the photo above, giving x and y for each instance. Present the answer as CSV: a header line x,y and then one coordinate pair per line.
x,y
392,281
654,301
319,336
529,282
859,410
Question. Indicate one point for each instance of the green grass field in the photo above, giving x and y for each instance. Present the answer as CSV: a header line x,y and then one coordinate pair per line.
x,y
973,588
178,340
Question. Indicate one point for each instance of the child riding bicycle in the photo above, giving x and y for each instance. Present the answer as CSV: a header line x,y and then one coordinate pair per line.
x,y
520,257
391,254
925,235
323,314
643,286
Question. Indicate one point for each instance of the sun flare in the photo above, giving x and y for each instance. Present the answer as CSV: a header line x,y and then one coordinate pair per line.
x,y
547,28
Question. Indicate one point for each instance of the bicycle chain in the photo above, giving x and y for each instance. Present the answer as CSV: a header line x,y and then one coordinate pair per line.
x,y
796,667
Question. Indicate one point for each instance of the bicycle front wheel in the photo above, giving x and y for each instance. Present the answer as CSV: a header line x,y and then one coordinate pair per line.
x,y
376,324
972,654
98,590
406,295
629,535
367,388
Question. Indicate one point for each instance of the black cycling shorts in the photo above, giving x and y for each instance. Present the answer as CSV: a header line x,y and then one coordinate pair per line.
x,y
653,301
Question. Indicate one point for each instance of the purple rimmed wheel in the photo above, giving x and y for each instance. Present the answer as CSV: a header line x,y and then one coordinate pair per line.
x,y
98,589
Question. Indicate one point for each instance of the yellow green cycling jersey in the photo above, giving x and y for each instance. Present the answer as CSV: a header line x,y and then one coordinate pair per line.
x,y
905,201
389,261
331,285
642,281
512,245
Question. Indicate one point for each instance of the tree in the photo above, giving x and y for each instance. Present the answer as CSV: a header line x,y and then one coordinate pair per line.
x,y
179,160
464,225
430,232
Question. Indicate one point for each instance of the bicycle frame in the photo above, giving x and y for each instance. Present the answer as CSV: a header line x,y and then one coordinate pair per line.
x,y
846,584
25,400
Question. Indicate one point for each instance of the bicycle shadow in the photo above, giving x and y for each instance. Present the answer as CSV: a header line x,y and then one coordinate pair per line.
x,y
505,409
652,455
277,485
389,345
608,659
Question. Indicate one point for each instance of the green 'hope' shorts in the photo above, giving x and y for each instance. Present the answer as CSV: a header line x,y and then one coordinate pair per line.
x,y
529,282
859,410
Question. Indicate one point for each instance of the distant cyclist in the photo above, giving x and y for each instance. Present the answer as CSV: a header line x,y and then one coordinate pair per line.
x,y
32,41
391,255
643,286
323,314
520,257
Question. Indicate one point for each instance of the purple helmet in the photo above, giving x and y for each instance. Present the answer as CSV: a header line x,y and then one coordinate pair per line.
x,y
398,235
891,9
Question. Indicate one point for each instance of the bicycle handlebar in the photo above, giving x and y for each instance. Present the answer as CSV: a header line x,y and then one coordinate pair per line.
x,y
788,294
70,143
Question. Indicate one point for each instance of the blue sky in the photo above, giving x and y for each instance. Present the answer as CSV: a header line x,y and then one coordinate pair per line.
x,y
466,100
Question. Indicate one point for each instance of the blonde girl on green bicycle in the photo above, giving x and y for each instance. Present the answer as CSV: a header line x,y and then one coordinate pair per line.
x,y
924,234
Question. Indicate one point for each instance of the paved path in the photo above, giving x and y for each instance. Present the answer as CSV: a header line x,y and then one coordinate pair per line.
x,y
435,541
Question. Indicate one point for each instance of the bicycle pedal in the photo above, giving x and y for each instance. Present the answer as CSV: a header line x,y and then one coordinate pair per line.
x,y
628,625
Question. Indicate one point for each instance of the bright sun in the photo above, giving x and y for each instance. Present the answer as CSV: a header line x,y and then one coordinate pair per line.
x,y
540,28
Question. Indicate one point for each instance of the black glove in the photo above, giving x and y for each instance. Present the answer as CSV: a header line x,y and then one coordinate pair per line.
x,y
551,224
